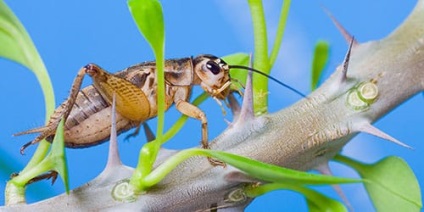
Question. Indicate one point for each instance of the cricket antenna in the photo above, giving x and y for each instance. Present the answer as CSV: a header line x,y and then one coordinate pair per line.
x,y
270,77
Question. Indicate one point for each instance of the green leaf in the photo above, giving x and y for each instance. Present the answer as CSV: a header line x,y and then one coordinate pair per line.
x,y
254,168
318,202
58,156
320,60
315,200
390,183
16,45
55,160
277,174
280,32
148,16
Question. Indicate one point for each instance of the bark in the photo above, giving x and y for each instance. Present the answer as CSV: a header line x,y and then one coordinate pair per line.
x,y
302,136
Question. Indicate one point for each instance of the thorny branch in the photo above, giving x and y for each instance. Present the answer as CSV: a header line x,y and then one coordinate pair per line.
x,y
313,131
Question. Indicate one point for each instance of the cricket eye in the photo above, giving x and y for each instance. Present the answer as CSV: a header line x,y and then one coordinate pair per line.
x,y
213,67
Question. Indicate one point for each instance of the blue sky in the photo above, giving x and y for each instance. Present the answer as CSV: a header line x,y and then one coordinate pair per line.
x,y
71,34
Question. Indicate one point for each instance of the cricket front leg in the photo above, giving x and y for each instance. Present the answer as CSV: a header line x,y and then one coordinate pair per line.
x,y
194,112
62,111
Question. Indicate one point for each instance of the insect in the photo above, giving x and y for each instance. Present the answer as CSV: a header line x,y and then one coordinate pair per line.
x,y
88,110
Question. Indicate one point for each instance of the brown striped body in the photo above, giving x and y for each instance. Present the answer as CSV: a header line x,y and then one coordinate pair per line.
x,y
88,123
88,111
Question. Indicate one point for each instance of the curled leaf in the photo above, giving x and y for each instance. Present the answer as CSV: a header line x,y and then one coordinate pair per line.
x,y
320,60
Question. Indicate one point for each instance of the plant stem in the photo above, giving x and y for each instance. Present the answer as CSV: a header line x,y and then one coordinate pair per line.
x,y
260,57
280,32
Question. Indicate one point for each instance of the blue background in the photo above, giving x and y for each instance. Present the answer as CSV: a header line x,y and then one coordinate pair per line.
x,y
70,34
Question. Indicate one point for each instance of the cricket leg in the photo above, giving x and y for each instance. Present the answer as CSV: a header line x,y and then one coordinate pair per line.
x,y
192,111
47,176
150,136
62,111
133,134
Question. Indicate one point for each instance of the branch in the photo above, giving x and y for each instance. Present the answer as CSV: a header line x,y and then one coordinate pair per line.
x,y
381,75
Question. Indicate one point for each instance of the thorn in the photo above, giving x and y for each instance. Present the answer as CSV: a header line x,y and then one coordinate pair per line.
x,y
368,128
324,169
113,157
347,36
346,62
342,78
150,136
246,111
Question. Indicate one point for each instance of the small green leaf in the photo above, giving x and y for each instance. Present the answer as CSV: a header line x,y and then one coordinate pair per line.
x,y
390,183
318,202
237,75
280,32
55,160
320,59
148,16
315,200
277,174
58,156
16,45
254,168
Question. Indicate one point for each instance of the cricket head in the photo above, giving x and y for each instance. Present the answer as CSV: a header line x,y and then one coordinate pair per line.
x,y
214,75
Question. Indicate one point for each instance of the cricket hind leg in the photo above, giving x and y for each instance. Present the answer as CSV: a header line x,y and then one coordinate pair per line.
x,y
133,134
31,131
62,111
150,136
46,176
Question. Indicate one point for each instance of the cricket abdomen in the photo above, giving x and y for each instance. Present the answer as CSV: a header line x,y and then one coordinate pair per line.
x,y
89,123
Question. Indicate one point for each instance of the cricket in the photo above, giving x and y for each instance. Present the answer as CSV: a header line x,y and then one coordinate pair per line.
x,y
87,111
